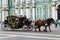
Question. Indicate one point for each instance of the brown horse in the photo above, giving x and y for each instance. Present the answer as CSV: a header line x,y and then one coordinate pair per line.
x,y
45,23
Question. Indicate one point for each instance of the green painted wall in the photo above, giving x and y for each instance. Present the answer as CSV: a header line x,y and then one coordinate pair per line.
x,y
47,0
35,13
40,12
30,5
46,12
8,7
40,0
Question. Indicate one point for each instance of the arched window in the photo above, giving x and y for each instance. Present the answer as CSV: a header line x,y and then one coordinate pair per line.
x,y
58,12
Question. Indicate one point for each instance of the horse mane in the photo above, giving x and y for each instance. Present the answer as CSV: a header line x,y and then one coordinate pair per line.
x,y
49,20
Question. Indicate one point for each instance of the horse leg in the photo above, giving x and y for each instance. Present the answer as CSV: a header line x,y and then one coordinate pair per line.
x,y
49,29
45,30
35,29
39,28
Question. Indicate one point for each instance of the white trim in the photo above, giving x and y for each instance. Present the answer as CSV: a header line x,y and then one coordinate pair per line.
x,y
3,16
27,12
21,11
57,5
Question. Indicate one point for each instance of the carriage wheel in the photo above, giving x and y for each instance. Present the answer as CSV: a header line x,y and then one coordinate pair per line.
x,y
24,28
30,28
27,28
5,27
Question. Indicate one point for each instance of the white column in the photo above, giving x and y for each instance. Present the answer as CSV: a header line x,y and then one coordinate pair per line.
x,y
16,2
21,13
33,10
3,16
27,10
16,12
33,14
21,10
4,3
33,1
4,13
27,13
43,12
54,13
37,13
49,11
21,1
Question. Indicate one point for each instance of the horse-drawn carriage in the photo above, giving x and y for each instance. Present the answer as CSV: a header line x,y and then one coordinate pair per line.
x,y
15,22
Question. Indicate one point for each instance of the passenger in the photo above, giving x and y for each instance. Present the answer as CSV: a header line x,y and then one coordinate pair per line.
x,y
25,17
20,16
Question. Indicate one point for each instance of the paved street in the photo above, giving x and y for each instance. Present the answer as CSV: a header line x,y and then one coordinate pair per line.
x,y
24,35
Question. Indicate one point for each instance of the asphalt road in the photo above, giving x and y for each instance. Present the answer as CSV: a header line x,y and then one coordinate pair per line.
x,y
31,35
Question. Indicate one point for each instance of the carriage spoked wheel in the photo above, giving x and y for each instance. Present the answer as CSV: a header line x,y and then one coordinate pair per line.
x,y
27,28
5,27
30,28
24,28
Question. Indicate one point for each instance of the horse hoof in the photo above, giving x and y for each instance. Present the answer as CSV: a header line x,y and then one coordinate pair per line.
x,y
44,30
39,31
50,31
35,31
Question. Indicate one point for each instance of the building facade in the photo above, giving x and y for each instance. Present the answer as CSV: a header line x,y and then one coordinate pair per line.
x,y
33,9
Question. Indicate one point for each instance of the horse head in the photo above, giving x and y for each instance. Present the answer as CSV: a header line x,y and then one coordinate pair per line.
x,y
53,21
